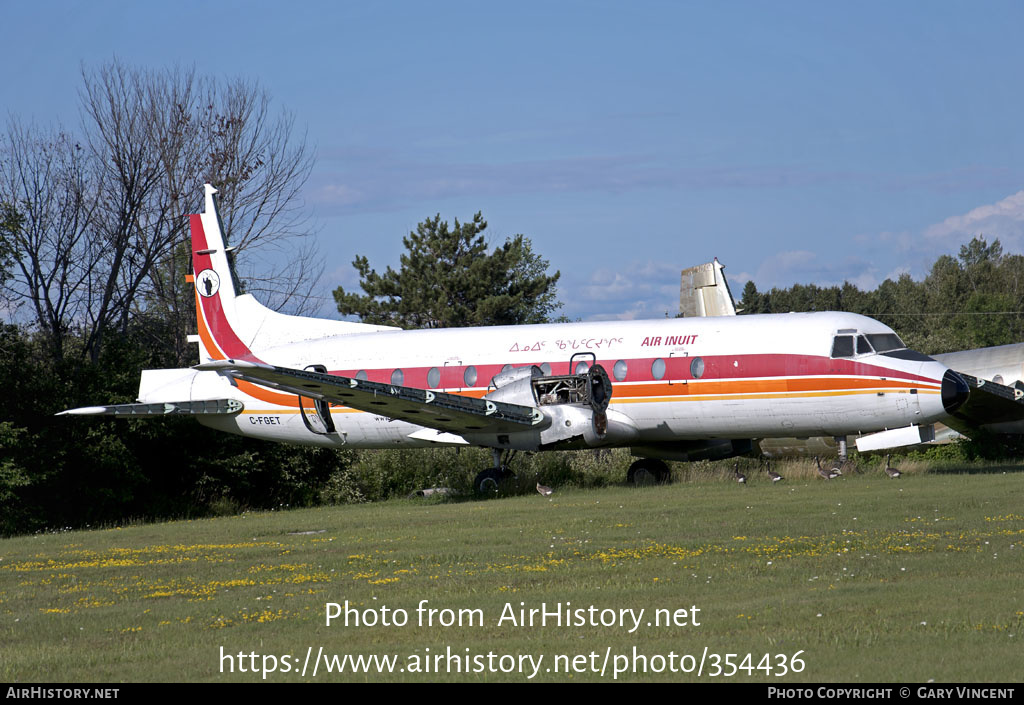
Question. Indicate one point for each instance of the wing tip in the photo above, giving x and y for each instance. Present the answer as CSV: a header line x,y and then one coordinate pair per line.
x,y
82,411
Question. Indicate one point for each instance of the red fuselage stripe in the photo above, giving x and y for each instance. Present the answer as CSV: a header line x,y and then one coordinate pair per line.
x,y
749,369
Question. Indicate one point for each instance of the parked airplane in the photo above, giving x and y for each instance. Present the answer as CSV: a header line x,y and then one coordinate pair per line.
x,y
679,389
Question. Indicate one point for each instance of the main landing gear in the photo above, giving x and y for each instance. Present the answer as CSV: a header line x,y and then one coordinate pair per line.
x,y
648,471
843,462
645,471
489,481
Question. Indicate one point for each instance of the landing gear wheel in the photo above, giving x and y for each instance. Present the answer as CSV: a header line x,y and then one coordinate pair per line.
x,y
489,481
648,471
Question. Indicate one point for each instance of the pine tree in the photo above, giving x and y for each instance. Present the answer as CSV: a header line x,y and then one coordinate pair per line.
x,y
448,279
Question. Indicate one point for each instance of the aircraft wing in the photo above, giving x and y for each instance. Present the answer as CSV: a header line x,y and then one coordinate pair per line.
x,y
451,413
991,407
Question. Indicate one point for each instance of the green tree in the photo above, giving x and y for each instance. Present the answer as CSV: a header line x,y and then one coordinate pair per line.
x,y
988,321
750,302
449,279
978,251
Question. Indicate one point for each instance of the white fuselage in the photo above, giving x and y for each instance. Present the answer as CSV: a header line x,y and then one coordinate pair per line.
x,y
674,379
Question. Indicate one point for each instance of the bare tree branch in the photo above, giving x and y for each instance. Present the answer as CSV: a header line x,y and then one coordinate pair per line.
x,y
104,237
50,181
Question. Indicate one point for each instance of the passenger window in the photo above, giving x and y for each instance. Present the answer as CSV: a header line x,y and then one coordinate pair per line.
x,y
581,367
434,378
361,375
697,368
658,368
619,370
842,346
469,377
397,378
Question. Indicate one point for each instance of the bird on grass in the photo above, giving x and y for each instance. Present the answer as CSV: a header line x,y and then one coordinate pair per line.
x,y
544,490
826,474
771,473
740,477
837,467
890,470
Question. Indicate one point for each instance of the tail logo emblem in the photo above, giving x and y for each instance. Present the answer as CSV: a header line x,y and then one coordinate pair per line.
x,y
207,283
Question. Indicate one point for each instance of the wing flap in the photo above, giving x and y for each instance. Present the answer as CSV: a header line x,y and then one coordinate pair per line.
x,y
451,413
429,434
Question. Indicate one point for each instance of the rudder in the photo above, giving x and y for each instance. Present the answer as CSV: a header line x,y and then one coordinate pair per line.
x,y
216,286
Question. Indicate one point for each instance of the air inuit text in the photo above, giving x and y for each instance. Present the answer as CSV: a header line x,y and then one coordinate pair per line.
x,y
558,614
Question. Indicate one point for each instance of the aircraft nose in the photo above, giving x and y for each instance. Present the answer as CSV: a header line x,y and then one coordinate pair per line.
x,y
954,391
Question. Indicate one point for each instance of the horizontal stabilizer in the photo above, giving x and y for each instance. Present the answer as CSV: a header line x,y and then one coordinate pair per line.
x,y
442,411
181,408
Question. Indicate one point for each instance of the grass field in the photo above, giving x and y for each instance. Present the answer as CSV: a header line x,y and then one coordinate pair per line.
x,y
862,578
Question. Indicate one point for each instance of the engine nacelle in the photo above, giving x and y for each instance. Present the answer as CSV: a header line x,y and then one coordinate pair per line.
x,y
515,386
576,406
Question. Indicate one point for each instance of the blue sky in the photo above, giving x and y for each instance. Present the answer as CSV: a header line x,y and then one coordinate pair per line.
x,y
797,142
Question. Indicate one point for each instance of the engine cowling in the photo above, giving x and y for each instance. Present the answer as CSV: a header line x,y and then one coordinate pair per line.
x,y
576,406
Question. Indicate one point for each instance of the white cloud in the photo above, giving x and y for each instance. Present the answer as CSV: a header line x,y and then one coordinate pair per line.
x,y
786,265
871,258
339,195
345,275
785,269
640,289
1003,220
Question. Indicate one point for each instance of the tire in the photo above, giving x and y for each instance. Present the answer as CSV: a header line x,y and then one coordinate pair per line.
x,y
490,481
648,471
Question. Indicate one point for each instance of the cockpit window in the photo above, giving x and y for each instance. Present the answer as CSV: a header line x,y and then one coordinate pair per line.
x,y
842,346
862,346
884,342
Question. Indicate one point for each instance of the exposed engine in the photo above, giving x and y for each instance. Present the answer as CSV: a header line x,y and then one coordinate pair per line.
x,y
575,404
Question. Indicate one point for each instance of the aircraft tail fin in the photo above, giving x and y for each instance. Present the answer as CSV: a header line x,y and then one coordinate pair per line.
x,y
705,292
233,324
216,286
